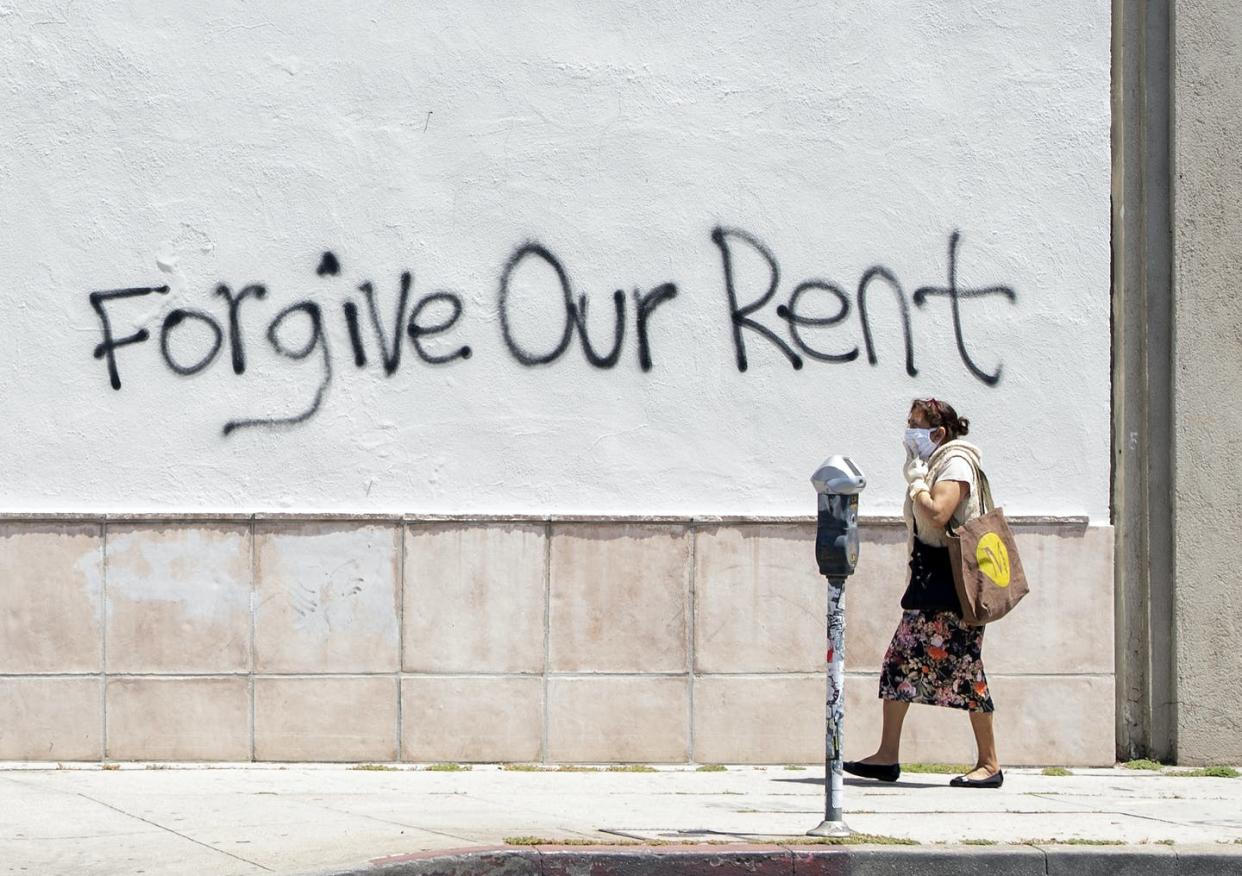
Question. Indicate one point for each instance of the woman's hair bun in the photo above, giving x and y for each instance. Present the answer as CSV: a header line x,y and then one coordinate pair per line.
x,y
941,414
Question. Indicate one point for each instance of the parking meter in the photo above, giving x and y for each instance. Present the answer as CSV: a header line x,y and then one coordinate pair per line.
x,y
838,483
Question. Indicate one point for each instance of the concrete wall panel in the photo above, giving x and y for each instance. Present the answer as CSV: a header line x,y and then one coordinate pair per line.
x,y
328,597
172,718
474,598
51,598
325,718
1055,719
51,719
619,598
873,595
619,718
759,600
472,719
759,719
179,599
1064,624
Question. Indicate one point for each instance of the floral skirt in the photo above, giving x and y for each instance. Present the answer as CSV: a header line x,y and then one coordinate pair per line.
x,y
936,659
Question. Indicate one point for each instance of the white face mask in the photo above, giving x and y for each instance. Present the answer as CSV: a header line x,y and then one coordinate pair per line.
x,y
919,442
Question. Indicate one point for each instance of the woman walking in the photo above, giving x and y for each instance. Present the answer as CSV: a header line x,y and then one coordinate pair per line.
x,y
934,658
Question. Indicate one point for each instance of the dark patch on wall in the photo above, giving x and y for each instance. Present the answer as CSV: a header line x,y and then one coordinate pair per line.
x,y
328,265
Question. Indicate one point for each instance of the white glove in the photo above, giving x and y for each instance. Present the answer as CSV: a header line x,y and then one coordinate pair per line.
x,y
919,485
915,469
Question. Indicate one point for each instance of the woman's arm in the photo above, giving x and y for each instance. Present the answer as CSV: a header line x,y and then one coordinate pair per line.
x,y
943,499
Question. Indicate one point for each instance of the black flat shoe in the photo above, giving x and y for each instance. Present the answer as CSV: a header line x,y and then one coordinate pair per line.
x,y
993,781
884,772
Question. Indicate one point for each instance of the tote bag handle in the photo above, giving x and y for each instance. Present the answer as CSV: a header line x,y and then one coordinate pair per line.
x,y
985,489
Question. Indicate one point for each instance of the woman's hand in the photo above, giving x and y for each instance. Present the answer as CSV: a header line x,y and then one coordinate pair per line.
x,y
915,469
915,472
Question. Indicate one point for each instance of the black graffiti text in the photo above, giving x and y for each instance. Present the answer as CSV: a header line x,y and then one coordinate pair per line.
x,y
743,316
573,313
814,321
431,315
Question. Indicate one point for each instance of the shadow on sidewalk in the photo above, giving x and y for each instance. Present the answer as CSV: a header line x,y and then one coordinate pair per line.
x,y
851,782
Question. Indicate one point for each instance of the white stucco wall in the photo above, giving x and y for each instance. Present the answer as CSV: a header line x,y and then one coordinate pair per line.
x,y
192,145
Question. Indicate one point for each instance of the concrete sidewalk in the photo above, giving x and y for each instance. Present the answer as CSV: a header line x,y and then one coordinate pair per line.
x,y
260,818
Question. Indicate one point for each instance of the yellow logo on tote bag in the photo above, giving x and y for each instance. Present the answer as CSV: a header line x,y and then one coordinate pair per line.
x,y
993,559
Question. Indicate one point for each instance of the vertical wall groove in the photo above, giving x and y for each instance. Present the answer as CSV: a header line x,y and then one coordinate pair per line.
x,y
691,590
1143,437
547,635
103,639
402,531
254,610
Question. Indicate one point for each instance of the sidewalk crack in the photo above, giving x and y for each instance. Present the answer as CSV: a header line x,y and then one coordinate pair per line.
x,y
173,832
391,821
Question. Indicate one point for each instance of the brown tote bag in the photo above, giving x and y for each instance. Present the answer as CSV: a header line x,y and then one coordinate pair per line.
x,y
986,568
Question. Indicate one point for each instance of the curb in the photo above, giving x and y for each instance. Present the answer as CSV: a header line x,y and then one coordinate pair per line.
x,y
809,860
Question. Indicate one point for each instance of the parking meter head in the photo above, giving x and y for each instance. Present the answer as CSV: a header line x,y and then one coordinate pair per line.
x,y
838,483
838,474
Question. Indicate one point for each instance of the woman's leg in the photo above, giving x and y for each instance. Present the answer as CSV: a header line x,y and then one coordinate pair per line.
x,y
985,740
890,734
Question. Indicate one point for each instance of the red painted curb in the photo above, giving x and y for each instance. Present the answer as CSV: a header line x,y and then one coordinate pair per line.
x,y
800,860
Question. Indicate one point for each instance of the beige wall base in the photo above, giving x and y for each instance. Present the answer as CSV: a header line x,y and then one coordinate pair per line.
x,y
508,640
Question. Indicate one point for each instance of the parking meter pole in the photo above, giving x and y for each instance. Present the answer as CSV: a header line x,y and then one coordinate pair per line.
x,y
838,483
834,712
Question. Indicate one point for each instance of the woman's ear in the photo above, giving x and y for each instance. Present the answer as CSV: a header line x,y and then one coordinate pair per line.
x,y
939,434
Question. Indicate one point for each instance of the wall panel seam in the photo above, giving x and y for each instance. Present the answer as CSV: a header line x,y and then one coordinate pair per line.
x,y
547,639
254,609
797,673
692,520
692,538
404,535
103,640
